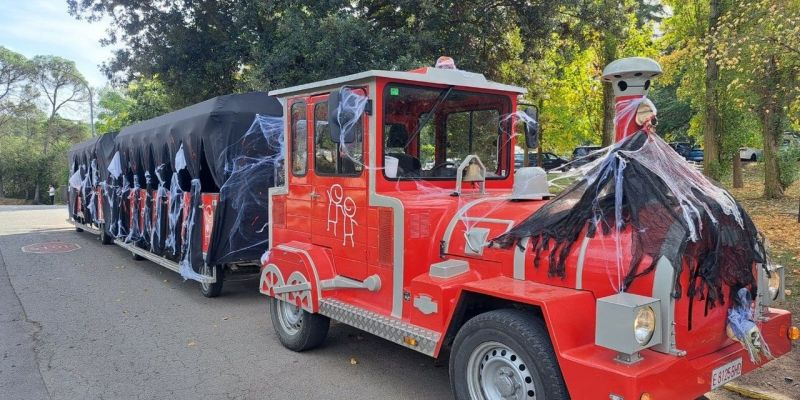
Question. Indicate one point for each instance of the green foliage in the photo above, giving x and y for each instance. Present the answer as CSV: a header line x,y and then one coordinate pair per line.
x,y
204,49
140,100
788,166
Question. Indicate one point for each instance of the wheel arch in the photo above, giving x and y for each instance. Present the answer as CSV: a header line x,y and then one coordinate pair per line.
x,y
568,314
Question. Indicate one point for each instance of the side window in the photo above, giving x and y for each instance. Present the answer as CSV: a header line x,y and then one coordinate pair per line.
x,y
299,139
331,158
325,148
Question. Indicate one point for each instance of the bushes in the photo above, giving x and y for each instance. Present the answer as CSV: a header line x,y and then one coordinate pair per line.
x,y
787,165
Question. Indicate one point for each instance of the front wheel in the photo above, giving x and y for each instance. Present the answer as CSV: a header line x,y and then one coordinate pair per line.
x,y
297,329
212,289
505,354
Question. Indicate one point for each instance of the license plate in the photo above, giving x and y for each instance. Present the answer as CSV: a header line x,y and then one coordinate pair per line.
x,y
726,373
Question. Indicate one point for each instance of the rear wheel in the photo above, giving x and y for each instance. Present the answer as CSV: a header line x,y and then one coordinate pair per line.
x,y
136,257
505,354
753,157
297,329
212,289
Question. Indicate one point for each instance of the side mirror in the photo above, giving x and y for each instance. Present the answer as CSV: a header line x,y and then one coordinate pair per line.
x,y
341,120
532,127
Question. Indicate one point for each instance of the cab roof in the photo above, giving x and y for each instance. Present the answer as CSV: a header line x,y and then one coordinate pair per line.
x,y
448,77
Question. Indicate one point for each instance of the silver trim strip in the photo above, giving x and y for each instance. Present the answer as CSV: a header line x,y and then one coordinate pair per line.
x,y
662,290
378,200
169,264
581,260
448,233
86,228
519,259
292,288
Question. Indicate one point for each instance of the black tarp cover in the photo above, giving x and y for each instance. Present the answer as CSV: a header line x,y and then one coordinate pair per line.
x,y
81,157
207,132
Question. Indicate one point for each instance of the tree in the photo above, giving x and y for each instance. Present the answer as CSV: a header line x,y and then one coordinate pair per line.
x,y
62,85
767,51
202,49
140,100
712,122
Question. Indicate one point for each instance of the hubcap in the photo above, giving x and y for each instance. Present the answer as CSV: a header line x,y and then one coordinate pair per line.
x,y
495,372
290,317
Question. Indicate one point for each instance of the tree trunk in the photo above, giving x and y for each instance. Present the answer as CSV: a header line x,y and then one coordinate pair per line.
x,y
737,171
609,54
712,123
770,126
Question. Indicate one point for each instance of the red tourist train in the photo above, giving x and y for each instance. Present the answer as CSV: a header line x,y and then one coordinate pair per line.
x,y
384,216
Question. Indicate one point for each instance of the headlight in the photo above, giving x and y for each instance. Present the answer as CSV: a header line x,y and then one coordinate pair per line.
x,y
644,325
774,284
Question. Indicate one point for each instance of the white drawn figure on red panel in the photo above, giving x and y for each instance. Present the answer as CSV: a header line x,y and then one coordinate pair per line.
x,y
349,229
338,203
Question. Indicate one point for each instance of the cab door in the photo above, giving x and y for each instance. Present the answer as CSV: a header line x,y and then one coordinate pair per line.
x,y
298,198
339,193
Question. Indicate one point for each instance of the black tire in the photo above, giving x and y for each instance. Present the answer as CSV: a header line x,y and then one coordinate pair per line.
x,y
212,289
105,238
136,257
509,342
79,230
310,332
753,157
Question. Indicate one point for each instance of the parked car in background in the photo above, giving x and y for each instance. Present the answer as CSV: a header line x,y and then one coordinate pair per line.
x,y
549,160
695,154
584,154
790,140
749,153
682,148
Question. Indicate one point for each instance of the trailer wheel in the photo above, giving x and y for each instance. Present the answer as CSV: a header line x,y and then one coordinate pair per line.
x,y
79,230
505,354
753,158
212,289
297,329
136,257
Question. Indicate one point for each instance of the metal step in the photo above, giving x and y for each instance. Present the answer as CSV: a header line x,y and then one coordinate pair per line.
x,y
160,260
414,337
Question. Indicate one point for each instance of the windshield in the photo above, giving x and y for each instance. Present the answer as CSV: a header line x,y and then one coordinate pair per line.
x,y
431,130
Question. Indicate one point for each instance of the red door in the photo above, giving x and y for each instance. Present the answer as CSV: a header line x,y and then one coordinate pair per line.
x,y
339,193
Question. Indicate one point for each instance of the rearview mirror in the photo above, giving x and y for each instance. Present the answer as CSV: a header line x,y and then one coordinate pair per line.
x,y
532,127
341,120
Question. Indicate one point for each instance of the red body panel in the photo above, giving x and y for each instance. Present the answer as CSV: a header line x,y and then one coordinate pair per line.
x,y
210,201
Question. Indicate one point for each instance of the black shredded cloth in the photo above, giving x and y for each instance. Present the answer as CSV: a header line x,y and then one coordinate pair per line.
x,y
666,206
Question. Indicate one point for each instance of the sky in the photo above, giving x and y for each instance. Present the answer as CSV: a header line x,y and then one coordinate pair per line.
x,y
44,27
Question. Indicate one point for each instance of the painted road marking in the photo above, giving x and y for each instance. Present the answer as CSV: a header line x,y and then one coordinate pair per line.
x,y
50,247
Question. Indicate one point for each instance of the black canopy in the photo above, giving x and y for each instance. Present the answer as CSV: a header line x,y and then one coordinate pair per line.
x,y
216,138
205,130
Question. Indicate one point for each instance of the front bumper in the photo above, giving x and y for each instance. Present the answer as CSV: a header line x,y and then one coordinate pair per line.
x,y
591,372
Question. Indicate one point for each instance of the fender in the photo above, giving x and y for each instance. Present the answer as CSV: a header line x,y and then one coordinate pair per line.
x,y
292,272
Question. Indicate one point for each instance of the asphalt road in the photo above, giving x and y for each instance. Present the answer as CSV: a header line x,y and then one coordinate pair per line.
x,y
94,324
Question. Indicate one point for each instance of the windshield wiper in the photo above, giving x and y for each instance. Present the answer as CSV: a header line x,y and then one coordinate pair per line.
x,y
442,97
